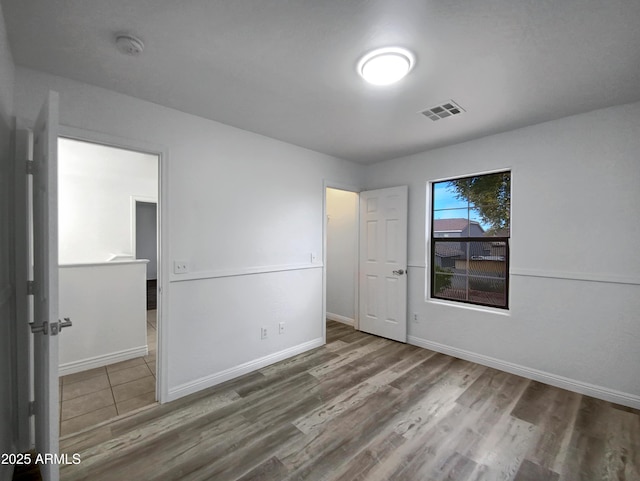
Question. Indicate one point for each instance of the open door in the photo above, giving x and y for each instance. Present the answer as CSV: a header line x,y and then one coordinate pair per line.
x,y
383,262
44,285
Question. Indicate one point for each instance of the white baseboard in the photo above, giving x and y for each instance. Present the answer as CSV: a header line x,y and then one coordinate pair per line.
x,y
580,387
104,360
342,319
231,373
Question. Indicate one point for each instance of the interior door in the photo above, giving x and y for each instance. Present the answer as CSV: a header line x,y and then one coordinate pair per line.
x,y
383,262
45,324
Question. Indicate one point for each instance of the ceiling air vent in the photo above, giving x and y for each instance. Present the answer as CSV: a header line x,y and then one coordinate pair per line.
x,y
443,110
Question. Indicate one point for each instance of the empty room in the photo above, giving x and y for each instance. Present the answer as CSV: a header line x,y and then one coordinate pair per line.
x,y
386,240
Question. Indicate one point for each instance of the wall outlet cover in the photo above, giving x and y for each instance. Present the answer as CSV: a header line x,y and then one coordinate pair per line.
x,y
180,267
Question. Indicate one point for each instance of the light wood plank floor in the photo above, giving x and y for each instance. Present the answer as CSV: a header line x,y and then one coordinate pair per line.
x,y
365,408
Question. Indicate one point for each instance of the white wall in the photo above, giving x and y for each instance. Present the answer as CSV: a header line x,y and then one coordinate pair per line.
x,y
237,204
575,268
107,305
7,299
342,254
95,186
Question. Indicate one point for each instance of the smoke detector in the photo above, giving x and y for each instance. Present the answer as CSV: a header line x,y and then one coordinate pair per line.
x,y
129,45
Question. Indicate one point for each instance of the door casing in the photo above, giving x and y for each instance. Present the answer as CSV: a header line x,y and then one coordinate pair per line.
x,y
162,386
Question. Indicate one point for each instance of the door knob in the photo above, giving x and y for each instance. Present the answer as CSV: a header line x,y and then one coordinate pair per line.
x,y
67,322
399,272
54,328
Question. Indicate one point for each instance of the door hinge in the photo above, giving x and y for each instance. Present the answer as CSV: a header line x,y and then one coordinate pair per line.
x,y
30,167
31,288
32,408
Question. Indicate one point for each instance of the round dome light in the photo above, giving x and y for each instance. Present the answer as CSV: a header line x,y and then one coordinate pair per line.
x,y
385,66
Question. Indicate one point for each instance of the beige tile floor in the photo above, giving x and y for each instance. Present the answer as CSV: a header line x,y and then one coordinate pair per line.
x,y
91,397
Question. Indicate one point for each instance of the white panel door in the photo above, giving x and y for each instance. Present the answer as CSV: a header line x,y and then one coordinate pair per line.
x,y
45,276
383,262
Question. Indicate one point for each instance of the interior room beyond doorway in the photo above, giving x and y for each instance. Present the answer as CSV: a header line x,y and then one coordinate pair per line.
x,y
342,255
107,361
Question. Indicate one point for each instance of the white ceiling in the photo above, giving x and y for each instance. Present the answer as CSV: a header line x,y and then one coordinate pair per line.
x,y
286,68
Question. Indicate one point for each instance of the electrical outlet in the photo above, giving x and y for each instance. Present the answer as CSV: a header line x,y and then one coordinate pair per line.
x,y
263,333
415,317
281,328
180,267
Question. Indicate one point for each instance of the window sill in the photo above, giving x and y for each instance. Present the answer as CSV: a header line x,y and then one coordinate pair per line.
x,y
471,307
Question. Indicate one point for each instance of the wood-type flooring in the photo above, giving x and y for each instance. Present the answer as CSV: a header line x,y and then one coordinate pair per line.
x,y
363,408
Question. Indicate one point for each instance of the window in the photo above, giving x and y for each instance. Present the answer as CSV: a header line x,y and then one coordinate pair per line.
x,y
470,230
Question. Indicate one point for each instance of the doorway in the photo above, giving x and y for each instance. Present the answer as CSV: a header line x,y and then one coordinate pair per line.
x,y
341,237
145,244
108,360
366,259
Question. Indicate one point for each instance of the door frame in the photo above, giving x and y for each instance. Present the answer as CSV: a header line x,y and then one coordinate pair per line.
x,y
329,184
22,269
73,133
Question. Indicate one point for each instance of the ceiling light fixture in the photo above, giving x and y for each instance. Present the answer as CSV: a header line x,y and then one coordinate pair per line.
x,y
385,66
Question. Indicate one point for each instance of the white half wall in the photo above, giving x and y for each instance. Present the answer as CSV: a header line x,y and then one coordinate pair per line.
x,y
107,305
234,204
575,272
8,407
342,254
95,187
